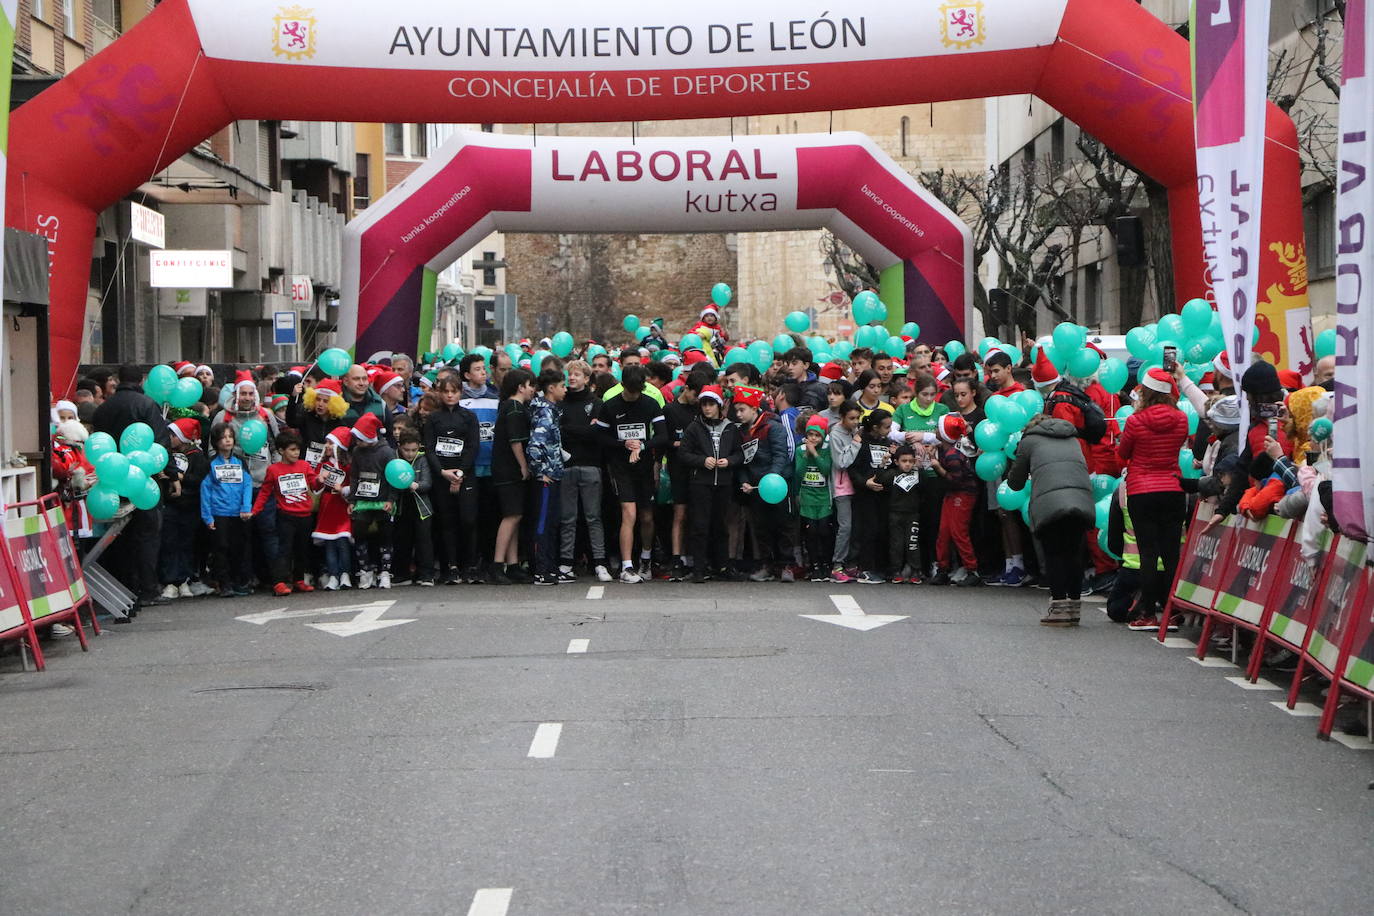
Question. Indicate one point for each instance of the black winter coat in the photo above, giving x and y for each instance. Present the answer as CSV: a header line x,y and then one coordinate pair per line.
x,y
127,406
698,445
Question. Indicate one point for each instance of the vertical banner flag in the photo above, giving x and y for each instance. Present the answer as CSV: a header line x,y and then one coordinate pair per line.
x,y
1353,438
1230,66
9,15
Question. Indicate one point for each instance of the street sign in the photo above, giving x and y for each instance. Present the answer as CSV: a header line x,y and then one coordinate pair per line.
x,y
284,329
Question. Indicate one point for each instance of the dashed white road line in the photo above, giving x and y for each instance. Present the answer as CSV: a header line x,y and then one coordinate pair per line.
x,y
578,646
491,901
545,742
846,605
596,591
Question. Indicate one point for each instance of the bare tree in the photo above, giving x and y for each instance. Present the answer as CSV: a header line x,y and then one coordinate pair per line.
x,y
851,272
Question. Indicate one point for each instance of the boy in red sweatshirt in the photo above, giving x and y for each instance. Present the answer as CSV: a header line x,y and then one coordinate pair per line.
x,y
290,481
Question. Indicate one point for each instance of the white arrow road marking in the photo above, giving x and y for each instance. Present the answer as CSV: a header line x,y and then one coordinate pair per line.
x,y
578,646
491,901
282,613
368,620
545,739
852,616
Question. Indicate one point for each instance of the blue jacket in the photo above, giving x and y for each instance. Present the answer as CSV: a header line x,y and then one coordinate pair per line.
x,y
765,451
225,499
484,404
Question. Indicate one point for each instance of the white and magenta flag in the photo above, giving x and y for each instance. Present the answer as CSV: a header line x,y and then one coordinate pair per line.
x,y
1353,439
1230,63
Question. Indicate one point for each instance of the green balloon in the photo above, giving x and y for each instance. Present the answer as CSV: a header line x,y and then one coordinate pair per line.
x,y
1123,414
1171,330
911,329
865,308
1030,401
721,294
782,343
1012,500
990,465
737,355
816,344
1013,441
593,351
1101,513
133,482
773,488
1197,317
1084,363
1068,337
399,473
136,437
762,355
1104,485
640,333
186,392
797,322
334,362
144,461
103,502
991,435
631,323
1113,375
111,468
955,349
1140,342
160,457
159,383
252,436
100,444
895,347
562,344
147,495
1326,343
986,344
841,349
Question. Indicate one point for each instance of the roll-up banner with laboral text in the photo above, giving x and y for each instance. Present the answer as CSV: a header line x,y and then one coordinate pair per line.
x,y
1353,439
9,9
1230,65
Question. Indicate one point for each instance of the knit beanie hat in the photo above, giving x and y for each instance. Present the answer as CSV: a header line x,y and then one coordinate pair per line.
x,y
1261,380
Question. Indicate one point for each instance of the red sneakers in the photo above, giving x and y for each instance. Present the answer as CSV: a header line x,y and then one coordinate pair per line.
x,y
281,588
304,586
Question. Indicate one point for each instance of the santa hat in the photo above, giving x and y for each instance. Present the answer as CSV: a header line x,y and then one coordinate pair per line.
x,y
899,367
1158,380
329,388
752,397
710,310
244,378
1222,364
832,372
693,356
816,421
297,371
342,437
367,428
61,406
1043,372
184,368
942,373
186,430
525,343
1290,379
384,380
371,369
713,393
200,369
951,428
673,358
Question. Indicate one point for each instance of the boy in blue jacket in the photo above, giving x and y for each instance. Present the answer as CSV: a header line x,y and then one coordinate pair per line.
x,y
226,505
766,452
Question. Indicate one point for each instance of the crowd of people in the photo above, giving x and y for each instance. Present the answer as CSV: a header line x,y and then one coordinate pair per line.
x,y
644,463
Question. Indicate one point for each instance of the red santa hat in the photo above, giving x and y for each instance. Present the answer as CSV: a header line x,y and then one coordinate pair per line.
x,y
367,428
1290,379
710,310
1158,380
942,373
1043,372
202,368
184,368
297,371
244,378
712,393
186,430
832,372
372,369
384,380
342,437
693,356
752,397
329,388
1222,365
951,428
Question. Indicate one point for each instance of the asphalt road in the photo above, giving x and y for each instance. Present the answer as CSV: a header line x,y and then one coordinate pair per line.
x,y
711,751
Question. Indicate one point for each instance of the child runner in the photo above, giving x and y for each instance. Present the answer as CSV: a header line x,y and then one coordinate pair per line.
x,y
333,527
844,441
903,483
226,505
371,500
633,428
452,442
510,472
291,482
546,464
711,450
413,557
765,452
955,467
181,511
870,500
813,472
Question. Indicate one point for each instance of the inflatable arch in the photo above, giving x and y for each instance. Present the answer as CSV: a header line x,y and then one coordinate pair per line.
x,y
482,182
193,66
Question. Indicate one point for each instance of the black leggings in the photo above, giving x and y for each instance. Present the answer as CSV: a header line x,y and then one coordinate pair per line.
x,y
1158,522
1061,547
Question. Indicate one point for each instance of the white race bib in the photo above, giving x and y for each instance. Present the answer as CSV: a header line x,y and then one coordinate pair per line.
x,y
812,477
879,455
331,476
293,487
229,473
369,485
181,461
449,447
627,431
751,448
314,454
906,481
488,431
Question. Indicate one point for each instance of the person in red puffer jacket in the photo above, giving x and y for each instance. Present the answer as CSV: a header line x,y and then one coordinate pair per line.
x,y
1149,449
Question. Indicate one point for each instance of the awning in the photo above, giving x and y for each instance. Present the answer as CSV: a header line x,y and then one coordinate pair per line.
x,y
26,268
203,178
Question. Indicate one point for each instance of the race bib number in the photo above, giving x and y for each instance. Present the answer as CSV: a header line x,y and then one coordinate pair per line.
x,y
448,447
879,455
229,473
314,454
331,476
182,462
293,487
369,485
906,481
751,448
812,477
488,431
627,431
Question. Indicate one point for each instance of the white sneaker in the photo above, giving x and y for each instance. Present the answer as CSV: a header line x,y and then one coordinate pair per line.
x,y
331,583
184,591
384,580
629,576
603,574
61,631
170,591
365,579
200,590
345,581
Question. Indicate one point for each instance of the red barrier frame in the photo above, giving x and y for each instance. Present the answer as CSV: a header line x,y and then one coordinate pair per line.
x,y
1338,682
86,600
71,614
25,630
1214,616
1222,558
1304,659
1265,636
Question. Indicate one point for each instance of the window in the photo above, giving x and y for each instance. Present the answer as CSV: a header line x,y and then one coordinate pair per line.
x,y
71,24
488,128
906,129
1092,295
1319,225
108,12
40,9
419,141
488,273
395,139
362,196
1057,144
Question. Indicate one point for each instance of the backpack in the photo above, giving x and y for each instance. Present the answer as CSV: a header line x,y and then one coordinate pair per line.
x,y
1094,427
